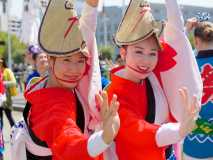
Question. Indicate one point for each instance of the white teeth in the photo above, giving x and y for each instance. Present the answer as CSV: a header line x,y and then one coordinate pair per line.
x,y
143,68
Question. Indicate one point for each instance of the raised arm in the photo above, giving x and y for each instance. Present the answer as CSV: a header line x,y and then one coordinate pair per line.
x,y
91,83
174,14
185,72
88,20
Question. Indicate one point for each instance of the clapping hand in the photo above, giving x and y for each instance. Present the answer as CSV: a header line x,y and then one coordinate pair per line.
x,y
109,115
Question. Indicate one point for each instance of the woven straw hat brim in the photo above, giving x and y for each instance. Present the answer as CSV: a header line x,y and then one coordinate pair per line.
x,y
84,51
135,27
59,33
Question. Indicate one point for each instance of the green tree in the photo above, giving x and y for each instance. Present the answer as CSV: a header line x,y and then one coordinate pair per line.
x,y
17,47
191,39
106,52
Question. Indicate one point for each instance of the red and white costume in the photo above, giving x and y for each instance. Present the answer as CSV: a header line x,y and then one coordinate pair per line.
x,y
52,112
137,139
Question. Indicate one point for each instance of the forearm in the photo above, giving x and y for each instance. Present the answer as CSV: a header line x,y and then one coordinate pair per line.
x,y
168,134
174,14
9,83
88,20
96,144
185,60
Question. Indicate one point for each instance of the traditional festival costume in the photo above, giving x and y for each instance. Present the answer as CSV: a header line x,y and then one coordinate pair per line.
x,y
60,123
199,144
145,107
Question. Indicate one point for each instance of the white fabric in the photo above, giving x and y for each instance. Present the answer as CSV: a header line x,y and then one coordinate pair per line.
x,y
168,134
110,153
186,157
20,140
186,72
90,83
3,98
96,145
31,22
161,105
100,5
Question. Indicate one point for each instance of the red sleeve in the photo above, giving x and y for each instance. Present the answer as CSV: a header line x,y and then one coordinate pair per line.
x,y
166,60
2,89
138,132
70,143
64,137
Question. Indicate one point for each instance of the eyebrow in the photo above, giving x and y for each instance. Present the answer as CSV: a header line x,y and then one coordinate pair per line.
x,y
143,48
82,56
139,47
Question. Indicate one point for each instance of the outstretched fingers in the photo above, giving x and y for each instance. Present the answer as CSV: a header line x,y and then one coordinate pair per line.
x,y
195,107
185,98
114,105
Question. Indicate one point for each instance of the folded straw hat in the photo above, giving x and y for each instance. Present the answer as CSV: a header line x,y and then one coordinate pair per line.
x,y
59,34
137,24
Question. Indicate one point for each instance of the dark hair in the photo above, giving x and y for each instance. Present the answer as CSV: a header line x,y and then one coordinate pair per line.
x,y
34,50
4,63
34,56
118,57
204,31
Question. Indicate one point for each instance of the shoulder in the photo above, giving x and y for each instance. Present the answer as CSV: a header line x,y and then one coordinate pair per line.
x,y
34,80
7,71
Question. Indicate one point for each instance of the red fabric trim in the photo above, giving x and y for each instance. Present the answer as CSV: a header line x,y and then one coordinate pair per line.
x,y
72,20
136,137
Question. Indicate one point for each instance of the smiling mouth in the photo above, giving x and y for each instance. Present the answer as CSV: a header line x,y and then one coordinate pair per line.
x,y
141,70
72,78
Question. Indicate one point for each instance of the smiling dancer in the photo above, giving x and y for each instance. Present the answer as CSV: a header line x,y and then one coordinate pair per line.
x,y
149,85
60,116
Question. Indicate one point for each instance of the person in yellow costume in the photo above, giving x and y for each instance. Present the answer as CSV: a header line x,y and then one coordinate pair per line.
x,y
11,90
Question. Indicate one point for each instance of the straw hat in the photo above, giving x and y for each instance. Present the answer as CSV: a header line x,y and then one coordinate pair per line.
x,y
137,24
59,34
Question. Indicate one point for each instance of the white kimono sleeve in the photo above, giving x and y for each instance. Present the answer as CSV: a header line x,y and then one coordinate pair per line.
x,y
185,72
91,83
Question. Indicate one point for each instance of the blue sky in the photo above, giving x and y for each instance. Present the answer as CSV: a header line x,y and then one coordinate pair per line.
x,y
16,5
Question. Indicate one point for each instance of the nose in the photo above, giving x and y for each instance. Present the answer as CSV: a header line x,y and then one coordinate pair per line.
x,y
73,68
146,60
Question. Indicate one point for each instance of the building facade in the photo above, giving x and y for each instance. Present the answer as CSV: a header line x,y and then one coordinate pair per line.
x,y
108,20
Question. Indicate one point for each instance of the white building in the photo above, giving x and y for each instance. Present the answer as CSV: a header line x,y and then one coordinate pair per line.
x,y
3,16
14,23
33,11
107,25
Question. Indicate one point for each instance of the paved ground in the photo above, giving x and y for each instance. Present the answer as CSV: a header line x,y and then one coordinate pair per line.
x,y
18,104
6,133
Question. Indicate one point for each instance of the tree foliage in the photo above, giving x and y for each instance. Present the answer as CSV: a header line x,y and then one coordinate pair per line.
x,y
17,48
191,39
106,52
